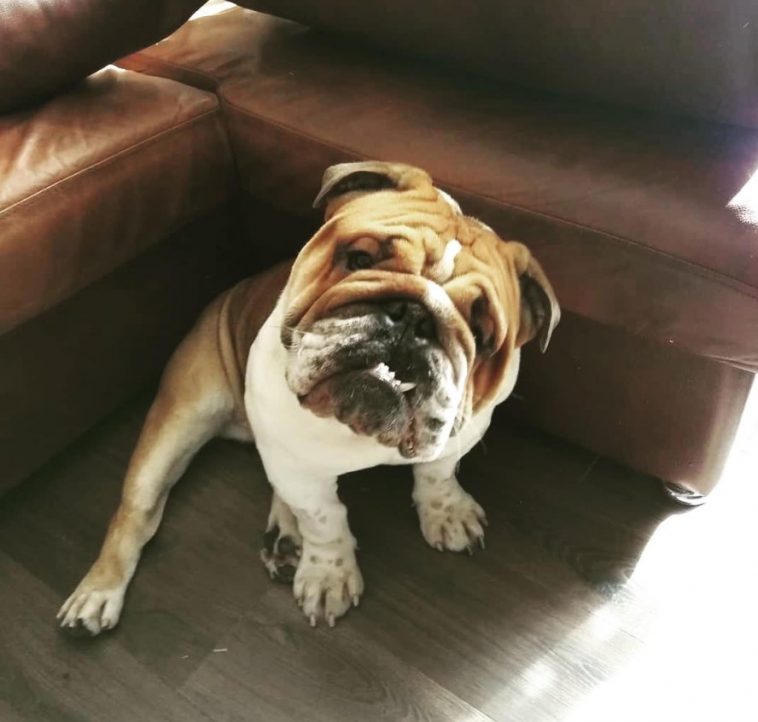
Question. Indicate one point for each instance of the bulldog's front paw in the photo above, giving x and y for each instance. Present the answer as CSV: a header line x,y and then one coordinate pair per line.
x,y
327,582
454,521
92,608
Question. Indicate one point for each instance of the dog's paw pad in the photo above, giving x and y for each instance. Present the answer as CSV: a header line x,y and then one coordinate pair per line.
x,y
280,555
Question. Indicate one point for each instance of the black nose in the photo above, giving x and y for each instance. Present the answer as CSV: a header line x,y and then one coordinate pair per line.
x,y
410,317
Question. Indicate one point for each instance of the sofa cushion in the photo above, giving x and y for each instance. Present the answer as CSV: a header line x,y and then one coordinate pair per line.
x,y
94,177
46,45
630,216
696,57
203,52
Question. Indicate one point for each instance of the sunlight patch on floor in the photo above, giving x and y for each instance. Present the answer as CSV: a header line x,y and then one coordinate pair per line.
x,y
603,624
537,678
699,573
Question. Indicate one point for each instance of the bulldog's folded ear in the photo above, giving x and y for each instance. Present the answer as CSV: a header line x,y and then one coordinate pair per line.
x,y
367,177
540,311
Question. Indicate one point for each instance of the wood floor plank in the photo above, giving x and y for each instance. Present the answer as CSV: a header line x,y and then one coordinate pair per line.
x,y
45,676
273,667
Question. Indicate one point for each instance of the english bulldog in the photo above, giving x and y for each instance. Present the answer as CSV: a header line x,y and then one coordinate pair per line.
x,y
390,339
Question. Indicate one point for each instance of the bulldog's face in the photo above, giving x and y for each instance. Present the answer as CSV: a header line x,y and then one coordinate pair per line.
x,y
402,314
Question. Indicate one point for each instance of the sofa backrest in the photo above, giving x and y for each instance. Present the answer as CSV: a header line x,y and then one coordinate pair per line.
x,y
46,45
692,57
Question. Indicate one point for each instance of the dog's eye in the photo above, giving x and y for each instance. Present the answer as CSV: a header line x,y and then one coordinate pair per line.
x,y
358,260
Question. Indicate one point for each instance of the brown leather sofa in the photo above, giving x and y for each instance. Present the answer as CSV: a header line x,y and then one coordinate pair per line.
x,y
618,143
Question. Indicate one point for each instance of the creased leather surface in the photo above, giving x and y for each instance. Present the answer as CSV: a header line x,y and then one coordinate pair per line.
x,y
696,57
95,176
204,51
629,215
46,45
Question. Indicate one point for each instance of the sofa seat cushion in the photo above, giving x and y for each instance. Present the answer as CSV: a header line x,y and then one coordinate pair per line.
x,y
96,176
645,224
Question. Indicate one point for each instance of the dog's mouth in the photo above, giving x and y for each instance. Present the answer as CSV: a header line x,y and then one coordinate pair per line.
x,y
374,402
386,374
409,443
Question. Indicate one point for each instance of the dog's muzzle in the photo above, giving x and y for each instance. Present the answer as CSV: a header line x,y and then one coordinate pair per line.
x,y
379,368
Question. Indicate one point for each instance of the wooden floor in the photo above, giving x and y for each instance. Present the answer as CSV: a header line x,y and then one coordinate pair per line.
x,y
596,599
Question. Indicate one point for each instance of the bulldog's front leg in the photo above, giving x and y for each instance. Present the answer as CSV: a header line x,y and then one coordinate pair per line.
x,y
327,581
450,517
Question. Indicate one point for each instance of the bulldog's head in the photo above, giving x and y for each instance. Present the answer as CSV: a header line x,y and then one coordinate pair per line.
x,y
403,316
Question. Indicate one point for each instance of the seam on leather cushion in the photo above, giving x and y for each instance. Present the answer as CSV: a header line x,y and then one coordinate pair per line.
x,y
125,152
144,62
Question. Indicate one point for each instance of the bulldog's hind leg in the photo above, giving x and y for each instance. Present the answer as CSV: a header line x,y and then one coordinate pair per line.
x,y
193,404
282,543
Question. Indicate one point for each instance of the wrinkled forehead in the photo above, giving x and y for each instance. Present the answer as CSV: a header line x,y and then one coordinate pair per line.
x,y
420,233
421,246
